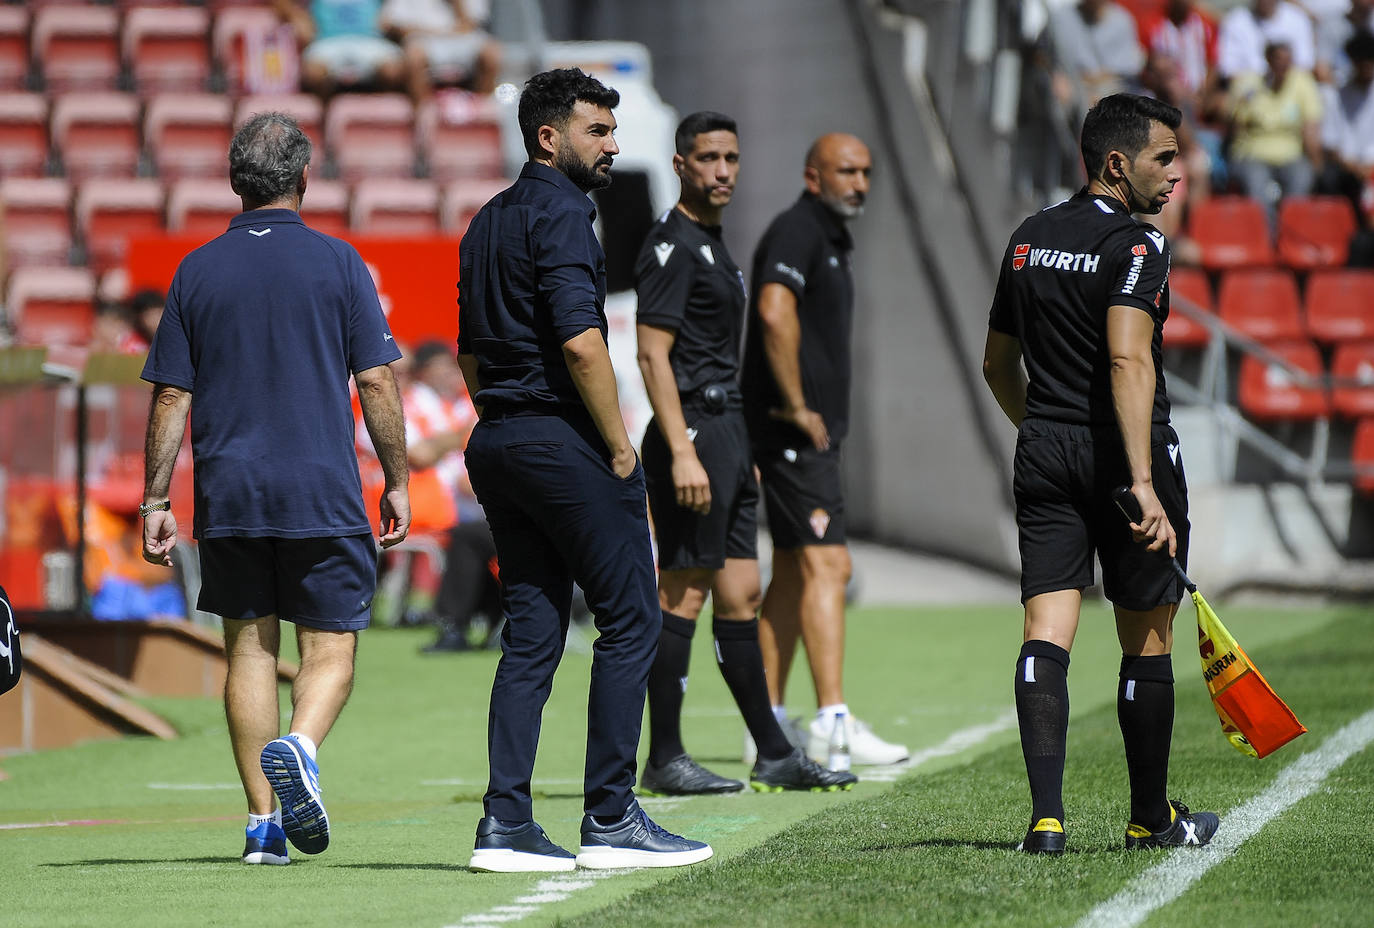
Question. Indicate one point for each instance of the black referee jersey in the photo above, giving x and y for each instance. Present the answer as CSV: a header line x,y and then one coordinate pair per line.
x,y
1064,266
687,282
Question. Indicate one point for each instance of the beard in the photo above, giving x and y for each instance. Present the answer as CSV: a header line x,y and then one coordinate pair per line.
x,y
585,176
842,208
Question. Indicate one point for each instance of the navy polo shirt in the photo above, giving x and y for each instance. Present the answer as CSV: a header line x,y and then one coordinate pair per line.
x,y
264,325
531,275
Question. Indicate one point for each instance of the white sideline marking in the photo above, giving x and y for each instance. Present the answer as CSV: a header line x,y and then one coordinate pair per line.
x,y
1167,880
194,786
552,890
960,741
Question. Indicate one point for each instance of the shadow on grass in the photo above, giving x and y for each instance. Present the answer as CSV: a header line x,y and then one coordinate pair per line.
x,y
455,868
938,842
126,861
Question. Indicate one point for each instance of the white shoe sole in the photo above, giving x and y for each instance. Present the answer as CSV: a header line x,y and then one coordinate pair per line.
x,y
503,860
596,857
819,751
262,857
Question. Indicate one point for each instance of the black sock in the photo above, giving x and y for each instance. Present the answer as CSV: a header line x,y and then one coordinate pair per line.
x,y
1042,710
1145,710
741,664
667,684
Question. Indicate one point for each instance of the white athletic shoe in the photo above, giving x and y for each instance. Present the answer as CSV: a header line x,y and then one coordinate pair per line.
x,y
865,748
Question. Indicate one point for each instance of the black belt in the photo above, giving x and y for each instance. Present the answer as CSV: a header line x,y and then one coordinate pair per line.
x,y
714,399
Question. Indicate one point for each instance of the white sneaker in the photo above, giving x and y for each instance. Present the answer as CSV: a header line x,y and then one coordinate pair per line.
x,y
865,748
792,729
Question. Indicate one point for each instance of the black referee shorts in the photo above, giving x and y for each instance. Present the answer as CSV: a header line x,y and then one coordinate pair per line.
x,y
686,539
803,493
1063,480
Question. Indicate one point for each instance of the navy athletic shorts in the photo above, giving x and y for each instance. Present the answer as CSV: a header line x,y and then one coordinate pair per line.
x,y
323,583
687,539
803,494
1063,480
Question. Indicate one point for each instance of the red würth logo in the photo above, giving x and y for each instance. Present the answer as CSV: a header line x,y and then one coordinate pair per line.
x,y
1018,257
1138,250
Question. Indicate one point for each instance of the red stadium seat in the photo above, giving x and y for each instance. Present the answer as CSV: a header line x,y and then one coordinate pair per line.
x,y
396,207
462,200
1362,456
1231,231
227,38
188,134
52,306
23,134
201,206
1262,303
460,137
325,207
1353,361
167,48
1339,305
109,213
97,134
1270,393
14,47
371,135
1315,231
305,108
113,286
38,221
1187,285
77,47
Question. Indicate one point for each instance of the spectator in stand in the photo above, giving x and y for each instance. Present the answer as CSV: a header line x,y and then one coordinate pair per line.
x,y
1163,79
342,46
1096,46
1187,36
1348,124
1334,30
1276,123
145,311
1247,31
113,331
445,44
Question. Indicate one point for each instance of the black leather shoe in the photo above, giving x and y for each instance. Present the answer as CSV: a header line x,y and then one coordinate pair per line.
x,y
683,776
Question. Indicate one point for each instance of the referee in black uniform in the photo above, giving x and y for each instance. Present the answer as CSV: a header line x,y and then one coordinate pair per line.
x,y
1082,297
561,484
699,472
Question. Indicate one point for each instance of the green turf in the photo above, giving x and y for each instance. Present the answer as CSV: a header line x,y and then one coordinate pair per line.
x,y
404,770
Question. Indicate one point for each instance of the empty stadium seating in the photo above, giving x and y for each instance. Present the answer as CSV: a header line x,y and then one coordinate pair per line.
x,y
1339,305
14,47
1231,231
1352,365
462,200
371,135
23,134
1362,455
187,135
77,47
38,225
201,206
1187,285
1261,303
460,137
167,49
109,213
325,207
52,306
97,134
1268,392
1315,231
385,206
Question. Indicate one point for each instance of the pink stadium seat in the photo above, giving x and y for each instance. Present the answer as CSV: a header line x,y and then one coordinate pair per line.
x,y
201,206
109,213
460,137
167,48
1340,305
306,108
23,134
77,47
227,38
1232,231
96,134
1269,393
1354,362
114,285
188,134
1187,285
1315,231
462,200
371,135
325,207
38,221
1362,455
52,306
396,207
1262,303
14,47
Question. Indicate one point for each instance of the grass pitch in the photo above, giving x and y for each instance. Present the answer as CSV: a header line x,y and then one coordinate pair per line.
x,y
148,833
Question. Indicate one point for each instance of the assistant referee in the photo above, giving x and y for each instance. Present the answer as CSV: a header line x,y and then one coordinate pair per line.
x,y
1082,296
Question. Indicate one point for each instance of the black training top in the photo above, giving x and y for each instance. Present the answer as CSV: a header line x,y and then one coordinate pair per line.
x,y
687,282
531,275
1063,268
806,249
263,326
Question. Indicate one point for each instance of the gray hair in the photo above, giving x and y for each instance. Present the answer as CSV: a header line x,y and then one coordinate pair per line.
x,y
267,156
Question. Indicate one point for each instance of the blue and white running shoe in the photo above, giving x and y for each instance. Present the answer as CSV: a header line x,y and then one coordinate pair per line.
x,y
295,778
265,844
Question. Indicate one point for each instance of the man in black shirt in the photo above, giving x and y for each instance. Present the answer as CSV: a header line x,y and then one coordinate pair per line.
x,y
795,379
1082,297
699,473
563,491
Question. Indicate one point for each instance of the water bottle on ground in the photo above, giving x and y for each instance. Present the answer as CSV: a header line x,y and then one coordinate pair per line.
x,y
839,744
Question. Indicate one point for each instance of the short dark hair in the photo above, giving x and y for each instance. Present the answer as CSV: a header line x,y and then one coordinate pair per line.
x,y
1121,122
685,139
549,97
428,351
267,156
1360,46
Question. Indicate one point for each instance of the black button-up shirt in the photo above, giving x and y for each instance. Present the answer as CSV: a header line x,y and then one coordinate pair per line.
x,y
531,276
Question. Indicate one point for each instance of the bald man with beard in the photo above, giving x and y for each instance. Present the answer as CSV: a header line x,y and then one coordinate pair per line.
x,y
795,380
